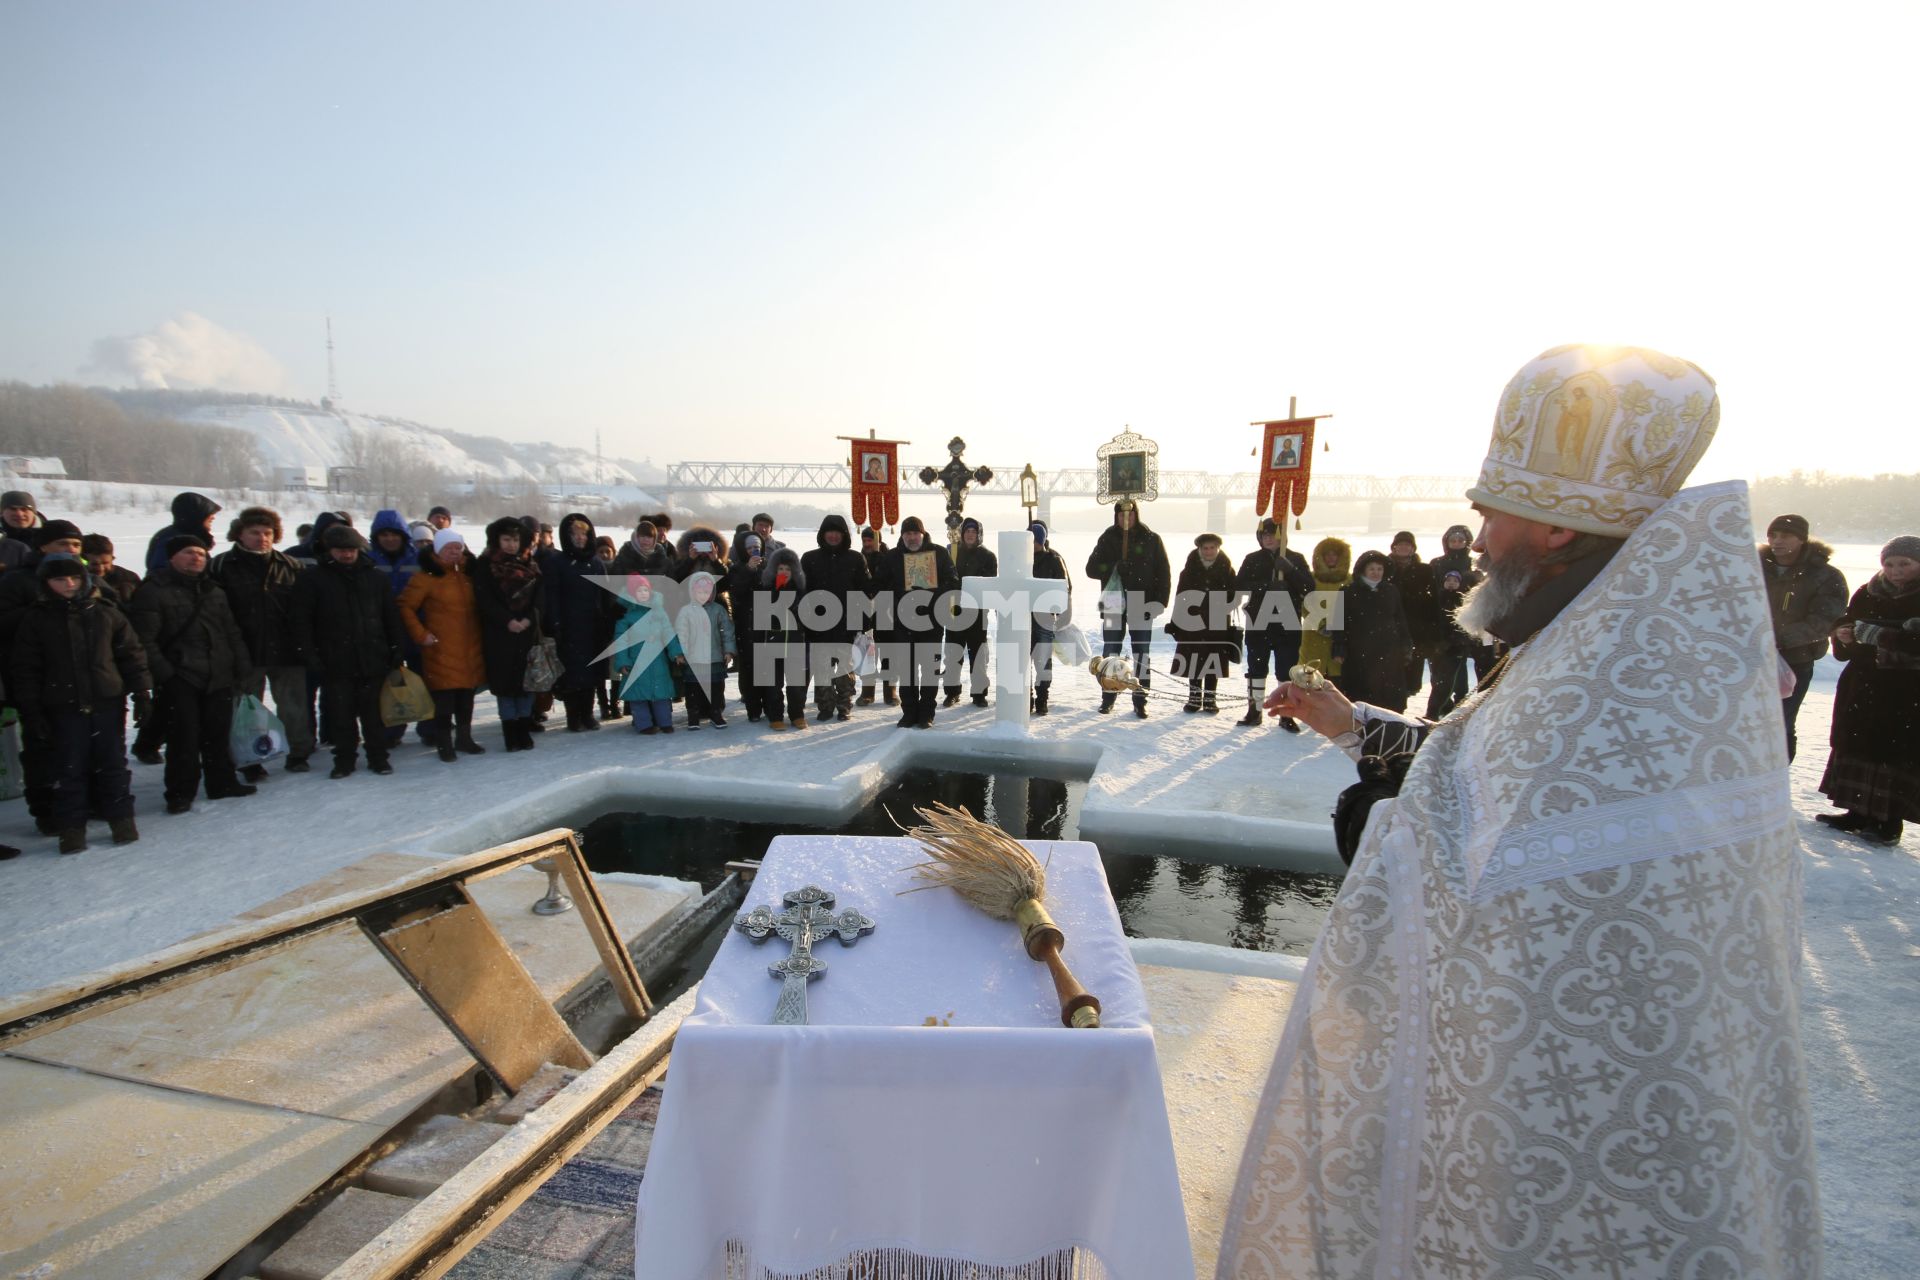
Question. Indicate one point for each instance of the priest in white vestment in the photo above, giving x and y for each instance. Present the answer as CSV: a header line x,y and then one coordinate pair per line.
x,y
1551,1026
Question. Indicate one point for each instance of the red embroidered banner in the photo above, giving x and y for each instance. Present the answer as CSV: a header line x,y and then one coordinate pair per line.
x,y
876,482
1286,465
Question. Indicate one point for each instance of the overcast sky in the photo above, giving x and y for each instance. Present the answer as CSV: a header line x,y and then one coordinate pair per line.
x,y
738,230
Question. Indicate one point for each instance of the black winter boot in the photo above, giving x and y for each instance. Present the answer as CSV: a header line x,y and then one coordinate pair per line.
x,y
73,840
124,832
1140,706
1106,702
1039,699
1256,695
1209,698
892,698
1193,695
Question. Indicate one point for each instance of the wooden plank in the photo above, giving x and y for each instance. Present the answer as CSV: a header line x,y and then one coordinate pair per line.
x,y
600,927
460,965
40,1011
446,1225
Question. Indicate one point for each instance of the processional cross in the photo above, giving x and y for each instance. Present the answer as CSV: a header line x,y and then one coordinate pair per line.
x,y
955,477
807,918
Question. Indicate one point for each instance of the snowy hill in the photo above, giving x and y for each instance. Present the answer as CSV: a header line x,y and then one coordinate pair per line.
x,y
318,437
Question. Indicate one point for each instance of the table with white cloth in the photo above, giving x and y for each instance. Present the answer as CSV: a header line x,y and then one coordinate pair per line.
x,y
995,1143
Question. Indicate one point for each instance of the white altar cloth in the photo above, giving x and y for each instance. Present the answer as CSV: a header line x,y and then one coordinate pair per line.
x,y
1000,1139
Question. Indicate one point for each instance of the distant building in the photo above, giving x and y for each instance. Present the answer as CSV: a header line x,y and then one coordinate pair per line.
x,y
346,479
313,479
35,468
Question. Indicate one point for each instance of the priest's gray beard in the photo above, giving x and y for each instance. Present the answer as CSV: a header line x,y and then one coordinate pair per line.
x,y
1504,583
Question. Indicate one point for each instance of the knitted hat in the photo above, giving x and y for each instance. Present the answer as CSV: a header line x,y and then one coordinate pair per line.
x,y
340,537
54,530
1907,545
18,498
181,541
439,511
750,544
1596,439
1793,526
420,531
911,525
444,538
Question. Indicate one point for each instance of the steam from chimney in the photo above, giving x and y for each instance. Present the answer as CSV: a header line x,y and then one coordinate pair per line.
x,y
188,351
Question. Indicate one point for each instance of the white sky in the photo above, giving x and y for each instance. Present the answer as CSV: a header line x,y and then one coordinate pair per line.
x,y
739,232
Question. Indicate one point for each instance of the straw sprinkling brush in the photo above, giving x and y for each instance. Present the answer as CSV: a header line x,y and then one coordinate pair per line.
x,y
1000,876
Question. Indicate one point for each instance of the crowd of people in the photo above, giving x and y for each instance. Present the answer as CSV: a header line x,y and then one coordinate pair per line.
x,y
540,616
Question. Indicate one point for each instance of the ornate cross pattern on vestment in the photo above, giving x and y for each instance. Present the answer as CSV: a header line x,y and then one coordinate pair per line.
x,y
807,917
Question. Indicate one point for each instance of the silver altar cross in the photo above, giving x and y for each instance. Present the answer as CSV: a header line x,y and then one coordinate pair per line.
x,y
807,918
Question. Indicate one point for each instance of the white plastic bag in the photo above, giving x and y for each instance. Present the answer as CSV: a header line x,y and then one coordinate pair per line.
x,y
1071,646
257,735
866,656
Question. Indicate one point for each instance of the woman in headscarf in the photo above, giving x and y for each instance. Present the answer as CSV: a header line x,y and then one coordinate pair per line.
x,y
1874,771
506,589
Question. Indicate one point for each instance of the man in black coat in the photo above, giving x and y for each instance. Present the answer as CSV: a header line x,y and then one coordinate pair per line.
x,y
1412,577
1808,597
259,581
198,658
349,627
20,523
1453,577
73,661
1273,583
579,615
969,643
192,515
1046,564
833,614
915,579
873,549
1129,563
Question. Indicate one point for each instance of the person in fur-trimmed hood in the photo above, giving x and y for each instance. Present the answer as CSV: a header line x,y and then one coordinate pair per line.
x,y
1206,642
1808,596
702,550
779,640
1331,558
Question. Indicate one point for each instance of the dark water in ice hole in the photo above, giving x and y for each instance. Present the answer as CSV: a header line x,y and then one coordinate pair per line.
x,y
1158,897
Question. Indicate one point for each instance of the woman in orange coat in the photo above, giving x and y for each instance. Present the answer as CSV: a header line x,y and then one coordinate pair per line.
x,y
438,610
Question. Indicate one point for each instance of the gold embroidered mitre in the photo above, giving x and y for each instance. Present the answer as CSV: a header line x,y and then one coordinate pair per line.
x,y
1596,438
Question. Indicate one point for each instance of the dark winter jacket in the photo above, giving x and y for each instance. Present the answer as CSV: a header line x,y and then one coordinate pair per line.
x,y
1202,597
1807,598
1264,573
397,569
188,630
190,512
1139,558
689,562
912,591
19,591
973,562
1375,645
743,579
27,538
346,620
579,611
776,610
259,590
74,655
122,582
842,573
1048,564
1876,705
654,563
1447,601
506,589
1414,581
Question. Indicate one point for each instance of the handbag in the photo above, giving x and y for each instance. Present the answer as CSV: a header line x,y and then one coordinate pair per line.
x,y
257,735
405,698
543,665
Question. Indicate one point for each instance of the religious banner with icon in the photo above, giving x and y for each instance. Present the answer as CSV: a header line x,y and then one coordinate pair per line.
x,y
1129,467
876,481
1286,465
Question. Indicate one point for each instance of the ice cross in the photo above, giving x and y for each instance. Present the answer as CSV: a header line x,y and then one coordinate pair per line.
x,y
1013,596
807,918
